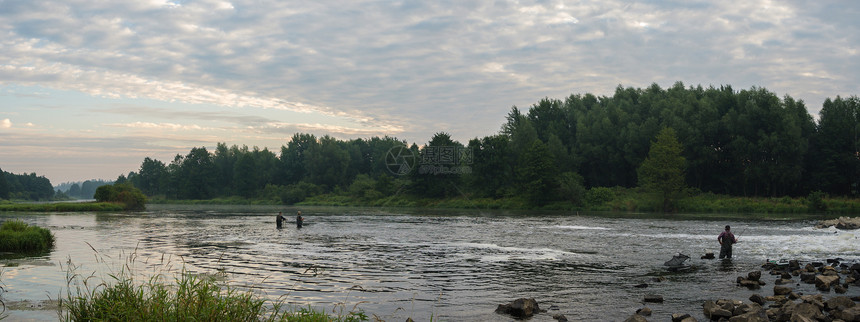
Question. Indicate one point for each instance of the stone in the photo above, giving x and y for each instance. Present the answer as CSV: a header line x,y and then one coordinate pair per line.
x,y
786,276
753,285
754,276
848,315
783,281
817,300
636,318
755,298
808,311
714,311
823,282
560,317
809,268
682,317
652,298
708,255
808,277
645,311
781,290
753,316
643,285
521,308
838,303
839,289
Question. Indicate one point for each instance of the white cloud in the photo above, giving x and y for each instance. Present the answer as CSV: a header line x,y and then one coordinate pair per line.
x,y
5,123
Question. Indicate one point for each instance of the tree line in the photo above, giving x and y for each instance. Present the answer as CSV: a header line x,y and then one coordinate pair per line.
x,y
26,186
741,143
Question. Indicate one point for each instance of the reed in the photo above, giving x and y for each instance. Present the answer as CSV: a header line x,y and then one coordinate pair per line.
x,y
16,236
188,297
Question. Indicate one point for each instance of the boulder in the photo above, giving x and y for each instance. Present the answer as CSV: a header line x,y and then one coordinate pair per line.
x,y
708,255
808,277
807,311
758,315
754,276
560,317
838,303
783,281
645,311
714,311
781,290
521,308
839,289
817,300
848,315
847,223
809,268
755,298
753,285
823,282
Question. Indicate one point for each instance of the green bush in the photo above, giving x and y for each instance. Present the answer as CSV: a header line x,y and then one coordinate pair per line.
x,y
17,236
598,196
816,201
123,193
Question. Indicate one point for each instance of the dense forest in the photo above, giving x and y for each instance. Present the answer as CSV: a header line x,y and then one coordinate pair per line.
x,y
739,143
25,186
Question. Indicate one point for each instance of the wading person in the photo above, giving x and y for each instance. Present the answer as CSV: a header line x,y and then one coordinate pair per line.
x,y
279,222
299,219
726,240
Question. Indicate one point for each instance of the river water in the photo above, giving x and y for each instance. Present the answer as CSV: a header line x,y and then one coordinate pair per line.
x,y
444,265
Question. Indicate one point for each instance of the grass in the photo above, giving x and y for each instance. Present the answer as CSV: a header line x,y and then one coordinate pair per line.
x,y
188,297
63,206
17,236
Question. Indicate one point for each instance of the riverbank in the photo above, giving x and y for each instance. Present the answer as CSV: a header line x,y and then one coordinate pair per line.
x,y
597,199
62,206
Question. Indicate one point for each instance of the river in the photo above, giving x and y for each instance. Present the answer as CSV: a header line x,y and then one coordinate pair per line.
x,y
439,264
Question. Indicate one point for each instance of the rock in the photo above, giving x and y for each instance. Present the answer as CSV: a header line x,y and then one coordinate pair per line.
x,y
848,315
643,285
807,311
560,317
783,281
714,311
793,264
521,308
838,303
651,298
755,298
808,277
809,268
781,290
658,279
708,255
823,282
754,316
682,317
636,318
754,276
841,223
786,276
839,289
645,311
753,285
817,300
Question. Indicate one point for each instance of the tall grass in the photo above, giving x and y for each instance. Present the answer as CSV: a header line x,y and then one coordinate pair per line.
x,y
17,236
188,297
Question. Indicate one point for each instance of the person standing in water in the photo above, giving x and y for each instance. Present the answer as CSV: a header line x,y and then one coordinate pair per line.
x,y
299,219
726,240
279,222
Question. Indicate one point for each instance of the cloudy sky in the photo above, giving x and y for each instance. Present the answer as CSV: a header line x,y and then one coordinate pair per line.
x,y
90,88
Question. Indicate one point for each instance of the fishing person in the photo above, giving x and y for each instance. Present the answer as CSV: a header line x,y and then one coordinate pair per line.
x,y
726,239
299,219
279,221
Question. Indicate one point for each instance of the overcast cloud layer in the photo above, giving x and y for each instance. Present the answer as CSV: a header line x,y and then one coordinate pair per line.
x,y
90,88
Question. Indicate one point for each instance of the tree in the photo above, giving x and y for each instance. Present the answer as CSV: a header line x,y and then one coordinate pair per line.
x,y
663,170
4,186
536,172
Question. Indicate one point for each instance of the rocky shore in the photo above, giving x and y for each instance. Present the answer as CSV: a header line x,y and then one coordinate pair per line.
x,y
847,223
779,303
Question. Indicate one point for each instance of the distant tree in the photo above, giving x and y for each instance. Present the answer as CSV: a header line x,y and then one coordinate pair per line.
x,y
663,170
536,173
75,191
4,186
152,177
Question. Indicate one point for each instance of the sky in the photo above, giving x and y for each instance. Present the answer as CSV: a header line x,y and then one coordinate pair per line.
x,y
88,89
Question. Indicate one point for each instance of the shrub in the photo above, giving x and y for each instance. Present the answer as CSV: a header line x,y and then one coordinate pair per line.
x,y
123,193
816,201
17,236
599,195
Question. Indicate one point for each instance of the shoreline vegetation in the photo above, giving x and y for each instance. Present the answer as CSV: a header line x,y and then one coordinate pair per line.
x,y
19,237
618,199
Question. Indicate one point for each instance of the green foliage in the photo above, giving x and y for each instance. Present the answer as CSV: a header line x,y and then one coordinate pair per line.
x,y
27,186
124,193
296,193
17,236
816,201
662,172
62,206
598,196
571,186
